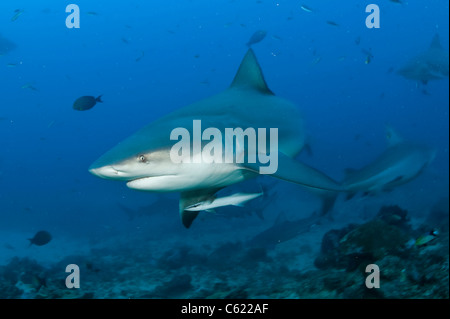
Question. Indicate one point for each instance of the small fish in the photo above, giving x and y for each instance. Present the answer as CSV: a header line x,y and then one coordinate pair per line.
x,y
86,102
426,238
305,8
41,238
29,86
11,65
368,54
139,58
275,53
92,13
316,61
125,40
51,124
37,282
8,246
334,24
275,37
18,13
238,199
258,36
358,40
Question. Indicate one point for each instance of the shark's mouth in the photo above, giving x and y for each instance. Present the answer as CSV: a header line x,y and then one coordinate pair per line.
x,y
149,182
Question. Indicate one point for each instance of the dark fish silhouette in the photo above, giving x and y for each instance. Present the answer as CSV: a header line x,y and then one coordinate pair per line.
x,y
41,238
17,14
334,24
6,46
86,102
258,36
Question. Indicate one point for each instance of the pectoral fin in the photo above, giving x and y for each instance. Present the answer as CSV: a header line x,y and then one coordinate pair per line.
x,y
296,172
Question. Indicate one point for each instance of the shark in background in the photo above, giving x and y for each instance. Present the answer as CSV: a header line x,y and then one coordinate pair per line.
x,y
283,230
143,160
6,45
429,65
400,163
161,204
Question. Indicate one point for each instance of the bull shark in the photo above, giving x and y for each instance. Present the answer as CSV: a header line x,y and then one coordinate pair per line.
x,y
400,163
144,160
430,65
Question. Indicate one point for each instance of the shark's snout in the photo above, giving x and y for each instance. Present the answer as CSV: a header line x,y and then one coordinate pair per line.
x,y
104,171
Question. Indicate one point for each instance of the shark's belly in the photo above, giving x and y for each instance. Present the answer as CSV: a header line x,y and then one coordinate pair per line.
x,y
192,176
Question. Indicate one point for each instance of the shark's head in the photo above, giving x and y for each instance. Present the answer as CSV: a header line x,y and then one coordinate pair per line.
x,y
141,169
144,162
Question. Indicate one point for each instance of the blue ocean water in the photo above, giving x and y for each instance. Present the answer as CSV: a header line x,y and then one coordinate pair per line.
x,y
148,58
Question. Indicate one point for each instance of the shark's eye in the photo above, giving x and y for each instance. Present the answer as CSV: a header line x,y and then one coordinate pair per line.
x,y
142,159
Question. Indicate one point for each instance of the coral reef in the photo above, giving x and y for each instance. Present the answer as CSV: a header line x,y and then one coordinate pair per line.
x,y
232,270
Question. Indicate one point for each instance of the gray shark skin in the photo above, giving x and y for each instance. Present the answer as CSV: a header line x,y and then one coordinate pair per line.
x,y
143,159
430,65
400,163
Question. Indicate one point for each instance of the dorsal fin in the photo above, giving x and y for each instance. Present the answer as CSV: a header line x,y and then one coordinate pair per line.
x,y
436,42
250,75
392,136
